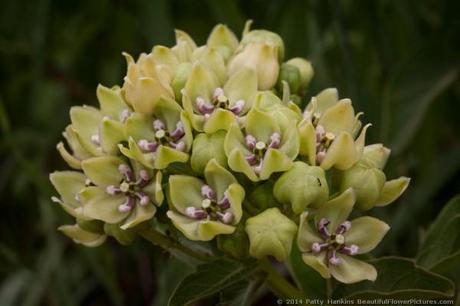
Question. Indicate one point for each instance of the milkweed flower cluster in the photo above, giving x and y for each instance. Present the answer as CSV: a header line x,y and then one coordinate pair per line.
x,y
213,142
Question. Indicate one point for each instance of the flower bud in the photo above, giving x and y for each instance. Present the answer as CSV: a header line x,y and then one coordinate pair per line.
x,y
270,234
366,181
264,37
206,147
301,186
260,57
305,69
291,75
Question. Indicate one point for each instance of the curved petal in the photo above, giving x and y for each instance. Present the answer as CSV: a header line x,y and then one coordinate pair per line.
x,y
188,137
166,155
111,101
112,133
68,184
220,119
341,154
337,210
223,39
85,120
185,191
187,226
146,93
274,161
207,230
242,86
238,163
306,236
338,118
307,135
135,153
290,141
81,236
261,125
218,178
206,147
154,190
392,190
351,270
366,233
70,159
326,99
97,204
164,56
139,126
168,111
201,83
317,263
212,59
235,140
236,195
138,215
103,170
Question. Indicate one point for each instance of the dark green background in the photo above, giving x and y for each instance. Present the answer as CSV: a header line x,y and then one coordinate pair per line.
x,y
397,60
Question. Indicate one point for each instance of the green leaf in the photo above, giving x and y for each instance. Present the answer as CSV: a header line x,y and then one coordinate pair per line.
x,y
440,242
398,278
208,279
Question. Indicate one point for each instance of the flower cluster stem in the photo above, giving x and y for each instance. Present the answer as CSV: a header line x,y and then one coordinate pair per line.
x,y
171,245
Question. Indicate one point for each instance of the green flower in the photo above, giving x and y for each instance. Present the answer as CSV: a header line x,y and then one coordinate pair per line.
x,y
263,147
213,106
369,181
121,192
206,147
270,234
328,246
95,132
262,37
327,132
285,112
201,210
69,184
160,139
301,186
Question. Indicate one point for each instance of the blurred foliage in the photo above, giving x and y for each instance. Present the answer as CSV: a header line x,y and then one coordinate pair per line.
x,y
397,60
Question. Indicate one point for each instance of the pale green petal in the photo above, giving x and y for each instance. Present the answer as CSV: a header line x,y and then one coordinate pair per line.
x,y
74,143
261,125
352,270
337,209
392,190
97,204
326,99
103,171
290,140
376,155
223,39
112,133
338,118
138,215
146,93
185,191
220,119
242,86
366,233
236,196
306,235
360,141
68,184
139,126
111,101
180,78
238,163
201,83
270,233
206,147
81,236
212,59
85,120
267,102
341,154
317,262
164,56
199,230
307,135
154,189
70,159
168,111
274,161
135,153
166,155
182,36
235,140
218,178
188,137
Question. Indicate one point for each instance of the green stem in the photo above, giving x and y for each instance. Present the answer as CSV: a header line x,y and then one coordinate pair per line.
x,y
278,284
170,245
